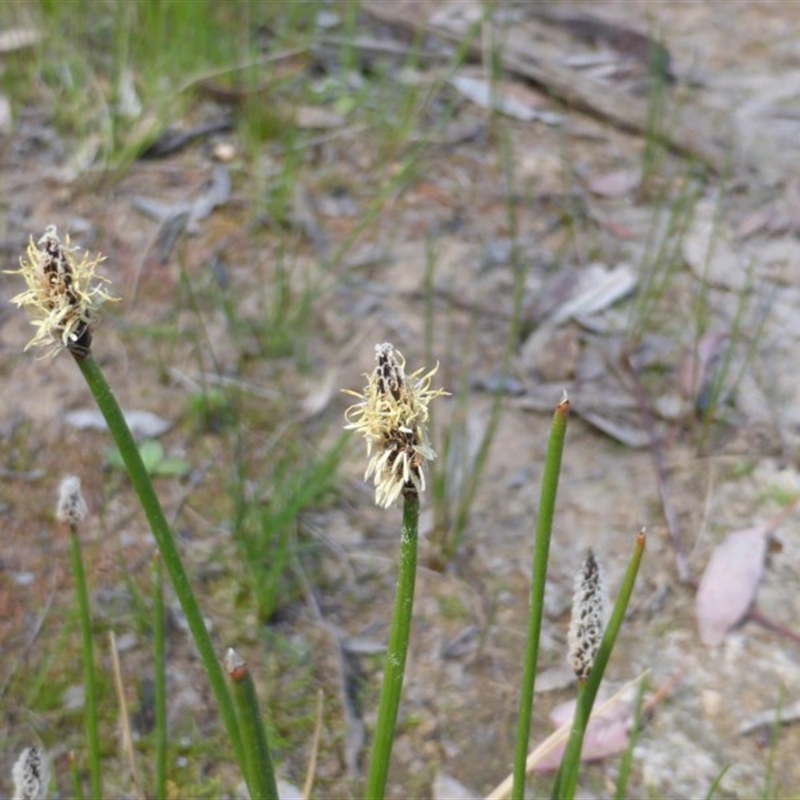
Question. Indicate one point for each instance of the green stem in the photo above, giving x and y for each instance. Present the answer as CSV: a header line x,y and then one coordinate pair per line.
x,y
397,651
75,777
92,736
260,775
567,778
159,657
143,486
541,551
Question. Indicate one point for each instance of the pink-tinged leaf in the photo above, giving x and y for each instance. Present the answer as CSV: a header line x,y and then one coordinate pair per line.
x,y
730,582
606,735
615,184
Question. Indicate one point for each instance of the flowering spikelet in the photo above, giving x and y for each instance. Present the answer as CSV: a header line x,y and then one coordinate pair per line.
x,y
71,508
31,775
62,295
588,617
392,414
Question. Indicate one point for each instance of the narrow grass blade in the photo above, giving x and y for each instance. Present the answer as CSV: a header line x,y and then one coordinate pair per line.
x,y
124,717
712,790
541,551
394,670
567,777
109,407
75,777
312,761
770,789
89,678
260,776
160,681
626,762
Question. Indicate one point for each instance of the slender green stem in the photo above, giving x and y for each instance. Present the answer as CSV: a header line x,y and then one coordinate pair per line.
x,y
260,775
394,670
89,680
159,657
626,762
137,472
567,777
712,790
541,551
75,777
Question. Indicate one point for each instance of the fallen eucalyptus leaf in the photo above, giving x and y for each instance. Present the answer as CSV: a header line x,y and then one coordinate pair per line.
x,y
618,183
606,734
730,582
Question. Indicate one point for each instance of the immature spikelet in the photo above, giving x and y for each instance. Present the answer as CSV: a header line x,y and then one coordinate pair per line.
x,y
588,617
392,415
63,294
71,508
31,775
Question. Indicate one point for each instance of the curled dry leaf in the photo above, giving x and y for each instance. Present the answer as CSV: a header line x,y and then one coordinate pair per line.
x,y
730,582
618,183
599,287
505,97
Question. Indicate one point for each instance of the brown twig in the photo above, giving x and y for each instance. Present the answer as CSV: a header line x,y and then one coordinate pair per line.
x,y
770,624
659,464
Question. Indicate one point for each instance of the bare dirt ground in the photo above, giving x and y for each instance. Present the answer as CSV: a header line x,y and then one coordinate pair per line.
x,y
581,208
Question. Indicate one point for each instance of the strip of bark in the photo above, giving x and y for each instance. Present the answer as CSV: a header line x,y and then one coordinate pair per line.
x,y
688,130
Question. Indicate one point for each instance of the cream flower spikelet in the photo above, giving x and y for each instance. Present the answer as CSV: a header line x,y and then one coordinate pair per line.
x,y
31,775
71,508
63,293
392,415
589,609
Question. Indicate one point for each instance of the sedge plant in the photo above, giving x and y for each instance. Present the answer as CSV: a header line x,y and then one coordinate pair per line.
x,y
392,415
71,511
591,640
62,298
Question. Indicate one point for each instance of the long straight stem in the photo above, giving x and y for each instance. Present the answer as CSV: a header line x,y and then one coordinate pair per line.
x,y
160,682
90,681
109,407
541,552
261,777
394,670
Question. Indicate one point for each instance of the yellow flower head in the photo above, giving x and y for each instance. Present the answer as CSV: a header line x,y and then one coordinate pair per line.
x,y
392,415
62,295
